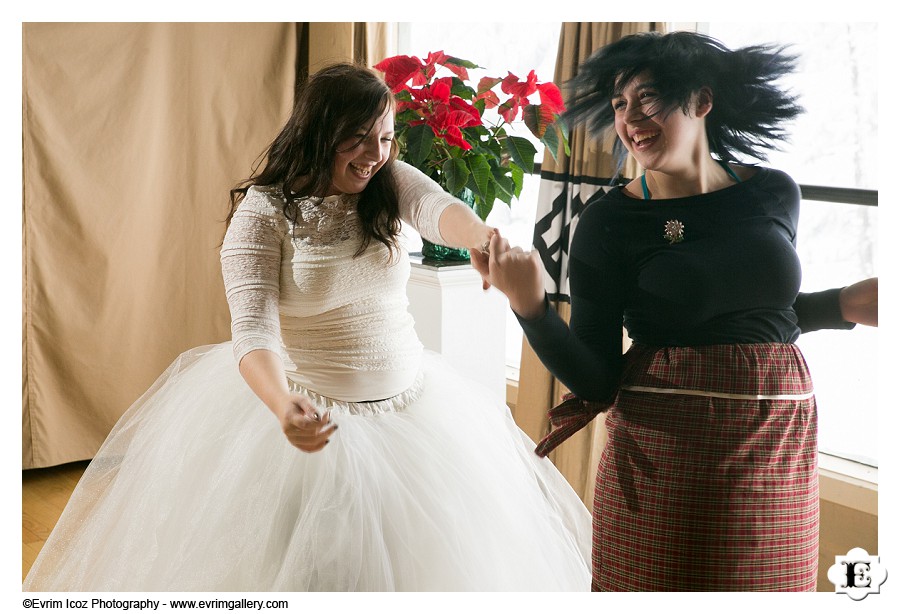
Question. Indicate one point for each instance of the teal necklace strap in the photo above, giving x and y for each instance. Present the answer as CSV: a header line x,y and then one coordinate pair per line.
x,y
730,172
722,163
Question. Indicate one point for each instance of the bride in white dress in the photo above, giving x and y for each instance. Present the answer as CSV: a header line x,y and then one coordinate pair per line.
x,y
382,469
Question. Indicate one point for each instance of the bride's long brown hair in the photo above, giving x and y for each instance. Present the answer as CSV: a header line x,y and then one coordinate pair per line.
x,y
335,104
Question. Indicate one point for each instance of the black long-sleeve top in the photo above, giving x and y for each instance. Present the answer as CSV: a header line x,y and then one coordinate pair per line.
x,y
733,276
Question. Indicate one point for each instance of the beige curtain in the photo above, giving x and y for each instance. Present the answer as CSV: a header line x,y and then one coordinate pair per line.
x,y
367,43
566,184
133,135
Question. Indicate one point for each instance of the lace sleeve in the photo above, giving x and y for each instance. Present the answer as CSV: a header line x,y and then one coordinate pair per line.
x,y
421,201
251,263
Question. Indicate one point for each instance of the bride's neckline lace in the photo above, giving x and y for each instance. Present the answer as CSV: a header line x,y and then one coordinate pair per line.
x,y
320,221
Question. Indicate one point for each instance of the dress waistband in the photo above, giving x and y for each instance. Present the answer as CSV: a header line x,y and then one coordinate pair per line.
x,y
365,408
748,371
722,395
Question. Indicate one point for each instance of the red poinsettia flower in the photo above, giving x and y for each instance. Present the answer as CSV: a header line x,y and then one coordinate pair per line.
x,y
519,89
439,91
486,92
447,120
398,70
423,98
551,98
519,92
474,117
403,105
453,65
426,71
464,144
439,58
538,117
401,69
509,110
486,84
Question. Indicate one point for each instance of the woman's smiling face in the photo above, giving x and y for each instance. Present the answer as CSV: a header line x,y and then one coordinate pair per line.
x,y
361,156
659,139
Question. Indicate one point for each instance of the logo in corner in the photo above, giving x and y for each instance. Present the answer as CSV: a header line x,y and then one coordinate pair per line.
x,y
858,574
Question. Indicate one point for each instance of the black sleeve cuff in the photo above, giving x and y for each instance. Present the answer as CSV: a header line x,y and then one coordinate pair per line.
x,y
820,310
534,321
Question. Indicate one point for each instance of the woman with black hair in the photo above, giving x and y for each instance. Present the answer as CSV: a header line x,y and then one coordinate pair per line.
x,y
709,478
427,485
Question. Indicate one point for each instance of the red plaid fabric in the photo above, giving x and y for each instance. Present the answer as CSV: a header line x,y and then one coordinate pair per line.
x,y
568,417
700,493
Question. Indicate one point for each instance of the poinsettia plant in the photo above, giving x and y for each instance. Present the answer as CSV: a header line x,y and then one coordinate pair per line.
x,y
457,133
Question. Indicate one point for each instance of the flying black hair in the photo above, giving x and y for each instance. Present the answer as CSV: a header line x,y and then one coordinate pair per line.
x,y
749,108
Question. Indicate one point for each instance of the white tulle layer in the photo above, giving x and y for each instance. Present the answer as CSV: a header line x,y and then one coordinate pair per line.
x,y
197,489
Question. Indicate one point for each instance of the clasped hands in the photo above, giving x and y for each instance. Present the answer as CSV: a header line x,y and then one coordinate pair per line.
x,y
514,272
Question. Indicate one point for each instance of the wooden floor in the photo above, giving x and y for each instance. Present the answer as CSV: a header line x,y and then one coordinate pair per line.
x,y
45,493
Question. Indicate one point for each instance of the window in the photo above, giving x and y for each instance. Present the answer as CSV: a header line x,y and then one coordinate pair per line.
x,y
498,47
833,145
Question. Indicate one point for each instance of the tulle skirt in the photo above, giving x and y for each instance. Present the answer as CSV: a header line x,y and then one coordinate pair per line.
x,y
197,489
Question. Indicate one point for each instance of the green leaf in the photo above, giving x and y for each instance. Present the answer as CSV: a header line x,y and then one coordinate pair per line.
x,y
476,131
484,206
495,148
522,152
459,88
505,187
551,142
538,118
486,84
460,62
518,177
563,131
456,173
531,119
418,144
404,117
481,175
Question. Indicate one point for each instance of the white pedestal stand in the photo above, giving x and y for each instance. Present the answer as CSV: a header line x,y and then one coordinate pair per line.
x,y
459,320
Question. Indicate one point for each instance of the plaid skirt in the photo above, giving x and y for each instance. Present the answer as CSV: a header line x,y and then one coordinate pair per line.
x,y
709,480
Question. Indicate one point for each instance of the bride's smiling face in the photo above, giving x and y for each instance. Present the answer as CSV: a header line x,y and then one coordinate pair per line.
x,y
361,156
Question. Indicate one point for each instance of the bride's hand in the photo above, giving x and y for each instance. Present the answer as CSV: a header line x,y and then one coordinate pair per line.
x,y
302,424
518,274
478,256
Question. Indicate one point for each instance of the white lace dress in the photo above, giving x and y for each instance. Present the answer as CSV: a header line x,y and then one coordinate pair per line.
x,y
431,487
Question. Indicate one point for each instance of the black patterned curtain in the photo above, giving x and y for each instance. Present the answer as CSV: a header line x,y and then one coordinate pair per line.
x,y
569,181
566,185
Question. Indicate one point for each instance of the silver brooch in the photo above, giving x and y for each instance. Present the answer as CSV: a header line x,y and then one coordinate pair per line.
x,y
674,232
